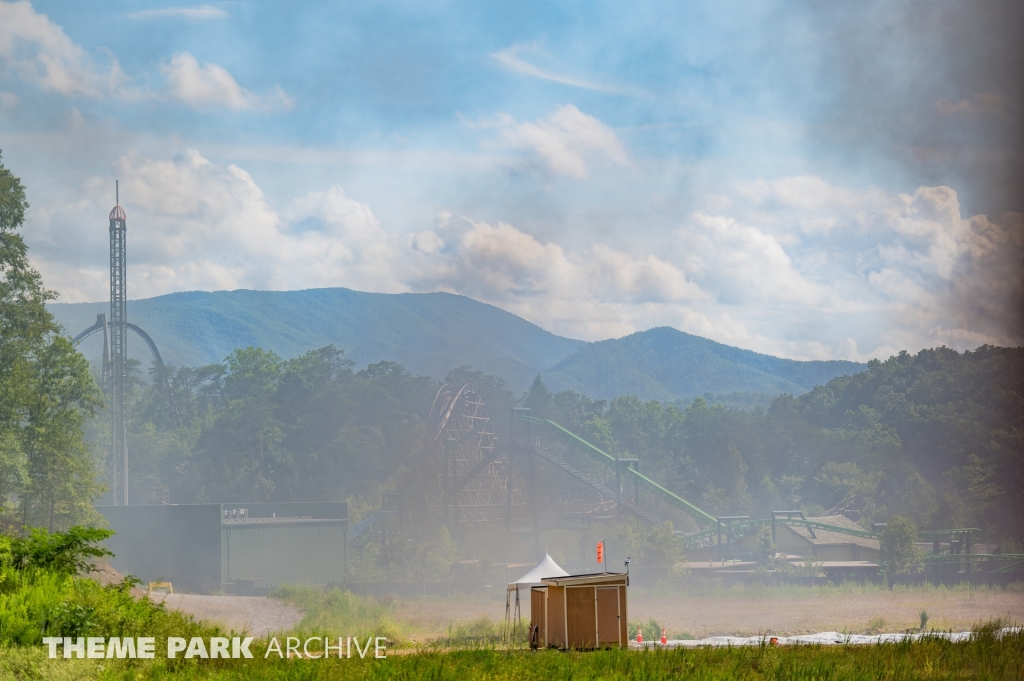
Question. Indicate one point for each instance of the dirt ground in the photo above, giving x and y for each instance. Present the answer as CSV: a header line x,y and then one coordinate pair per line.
x,y
743,616
735,615
748,616
256,616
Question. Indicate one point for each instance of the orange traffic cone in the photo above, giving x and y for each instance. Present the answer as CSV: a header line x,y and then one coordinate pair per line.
x,y
663,639
639,636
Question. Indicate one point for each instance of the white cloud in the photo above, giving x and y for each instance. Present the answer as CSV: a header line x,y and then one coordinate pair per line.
x,y
9,100
38,51
209,85
566,141
194,225
510,59
191,13
899,271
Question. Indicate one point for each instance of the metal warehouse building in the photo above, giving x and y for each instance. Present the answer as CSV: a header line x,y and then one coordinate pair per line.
x,y
231,547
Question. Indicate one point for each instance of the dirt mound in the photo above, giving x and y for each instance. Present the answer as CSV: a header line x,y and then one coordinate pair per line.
x,y
106,575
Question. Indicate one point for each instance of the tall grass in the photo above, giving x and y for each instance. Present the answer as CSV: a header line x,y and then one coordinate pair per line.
x,y
35,603
342,613
482,632
985,657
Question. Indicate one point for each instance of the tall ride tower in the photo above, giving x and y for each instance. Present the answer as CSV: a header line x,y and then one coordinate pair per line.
x,y
118,355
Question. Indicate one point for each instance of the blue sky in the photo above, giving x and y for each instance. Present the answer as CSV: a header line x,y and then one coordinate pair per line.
x,y
790,177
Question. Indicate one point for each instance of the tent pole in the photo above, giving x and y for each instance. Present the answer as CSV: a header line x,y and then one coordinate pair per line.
x,y
519,618
508,638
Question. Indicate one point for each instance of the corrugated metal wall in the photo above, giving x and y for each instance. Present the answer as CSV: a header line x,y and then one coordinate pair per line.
x,y
285,553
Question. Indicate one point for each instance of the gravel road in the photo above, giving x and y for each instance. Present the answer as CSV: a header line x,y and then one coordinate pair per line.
x,y
255,615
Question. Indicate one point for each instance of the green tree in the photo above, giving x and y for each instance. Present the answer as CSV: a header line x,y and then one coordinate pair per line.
x,y
46,390
899,549
764,551
240,454
538,398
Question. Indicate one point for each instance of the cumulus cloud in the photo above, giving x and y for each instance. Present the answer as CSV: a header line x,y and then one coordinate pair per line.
x,y
194,224
38,51
565,142
209,85
35,49
901,271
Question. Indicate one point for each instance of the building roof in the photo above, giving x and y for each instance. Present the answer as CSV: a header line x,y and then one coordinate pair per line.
x,y
824,537
593,578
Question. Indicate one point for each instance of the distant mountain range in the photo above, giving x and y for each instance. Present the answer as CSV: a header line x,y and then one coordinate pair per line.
x,y
430,333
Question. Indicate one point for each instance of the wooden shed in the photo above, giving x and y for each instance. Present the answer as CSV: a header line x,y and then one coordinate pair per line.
x,y
580,612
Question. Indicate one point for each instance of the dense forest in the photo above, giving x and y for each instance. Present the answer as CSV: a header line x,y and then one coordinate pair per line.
x,y
936,436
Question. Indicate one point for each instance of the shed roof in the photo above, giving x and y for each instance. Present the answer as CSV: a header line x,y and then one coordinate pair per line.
x,y
824,537
593,578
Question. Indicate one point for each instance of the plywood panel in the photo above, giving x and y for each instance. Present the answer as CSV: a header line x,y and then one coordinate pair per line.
x,y
556,616
608,616
538,615
623,617
581,616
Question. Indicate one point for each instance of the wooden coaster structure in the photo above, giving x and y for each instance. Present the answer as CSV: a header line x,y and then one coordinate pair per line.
x,y
468,478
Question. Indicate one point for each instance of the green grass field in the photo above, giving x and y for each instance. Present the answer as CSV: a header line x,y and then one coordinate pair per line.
x,y
984,657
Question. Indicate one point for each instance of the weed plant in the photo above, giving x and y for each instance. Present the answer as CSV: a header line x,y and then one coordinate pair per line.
x,y
342,613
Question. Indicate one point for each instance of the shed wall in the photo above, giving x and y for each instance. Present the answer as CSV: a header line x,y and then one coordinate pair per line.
x,y
581,611
556,616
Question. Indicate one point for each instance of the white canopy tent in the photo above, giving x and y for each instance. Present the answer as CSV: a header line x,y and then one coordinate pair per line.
x,y
545,569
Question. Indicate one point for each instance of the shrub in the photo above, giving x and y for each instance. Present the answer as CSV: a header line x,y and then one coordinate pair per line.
x,y
899,549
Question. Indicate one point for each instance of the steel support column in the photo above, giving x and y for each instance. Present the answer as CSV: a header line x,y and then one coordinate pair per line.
x,y
118,356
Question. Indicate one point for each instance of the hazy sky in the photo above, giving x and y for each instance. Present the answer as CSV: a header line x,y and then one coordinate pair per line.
x,y
807,179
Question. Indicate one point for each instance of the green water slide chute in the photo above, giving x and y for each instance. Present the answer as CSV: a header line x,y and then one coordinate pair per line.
x,y
684,505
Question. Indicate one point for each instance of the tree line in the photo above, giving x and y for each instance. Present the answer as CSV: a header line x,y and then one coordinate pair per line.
x,y
47,470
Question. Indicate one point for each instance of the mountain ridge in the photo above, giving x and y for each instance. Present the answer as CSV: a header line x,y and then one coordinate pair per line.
x,y
431,333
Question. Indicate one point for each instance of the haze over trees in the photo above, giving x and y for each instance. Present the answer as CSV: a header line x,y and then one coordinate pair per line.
x,y
936,437
47,471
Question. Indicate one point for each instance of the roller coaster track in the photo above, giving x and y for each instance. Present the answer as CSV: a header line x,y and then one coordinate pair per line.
x,y
732,528
360,533
597,485
674,499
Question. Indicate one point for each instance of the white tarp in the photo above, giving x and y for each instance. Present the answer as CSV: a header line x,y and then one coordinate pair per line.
x,y
545,569
824,638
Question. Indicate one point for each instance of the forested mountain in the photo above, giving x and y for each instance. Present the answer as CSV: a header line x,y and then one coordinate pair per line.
x,y
666,364
431,333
